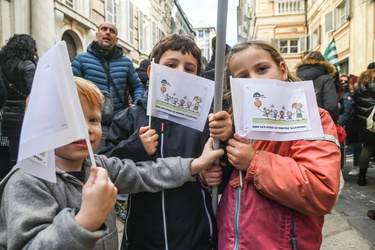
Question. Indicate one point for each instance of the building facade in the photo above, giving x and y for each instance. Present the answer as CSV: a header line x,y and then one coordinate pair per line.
x,y
204,35
296,27
140,23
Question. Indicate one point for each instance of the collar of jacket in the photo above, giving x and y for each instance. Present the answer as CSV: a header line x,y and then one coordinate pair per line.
x,y
330,68
118,51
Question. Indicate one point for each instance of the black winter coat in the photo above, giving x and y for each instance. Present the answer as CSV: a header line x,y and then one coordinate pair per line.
x,y
142,74
3,93
347,102
325,90
18,84
184,213
364,98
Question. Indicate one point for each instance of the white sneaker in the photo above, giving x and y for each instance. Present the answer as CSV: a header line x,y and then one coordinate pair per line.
x,y
354,171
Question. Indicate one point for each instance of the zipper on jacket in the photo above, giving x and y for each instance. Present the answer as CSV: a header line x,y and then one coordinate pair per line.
x,y
208,214
236,219
293,233
129,206
162,192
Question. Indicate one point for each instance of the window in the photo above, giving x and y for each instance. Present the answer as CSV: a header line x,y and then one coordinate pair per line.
x,y
315,40
200,33
111,11
154,34
70,3
289,46
304,43
330,21
130,22
343,13
141,42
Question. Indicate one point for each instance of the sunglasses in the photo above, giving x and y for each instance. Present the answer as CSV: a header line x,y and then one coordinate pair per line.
x,y
344,81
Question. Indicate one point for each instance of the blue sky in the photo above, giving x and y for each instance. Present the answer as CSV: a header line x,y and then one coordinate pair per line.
x,y
205,11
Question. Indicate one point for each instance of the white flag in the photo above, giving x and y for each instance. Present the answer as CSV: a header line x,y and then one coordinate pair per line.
x,y
54,114
269,109
179,97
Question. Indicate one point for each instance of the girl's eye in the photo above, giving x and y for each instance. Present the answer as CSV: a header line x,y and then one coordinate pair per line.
x,y
261,69
170,65
243,76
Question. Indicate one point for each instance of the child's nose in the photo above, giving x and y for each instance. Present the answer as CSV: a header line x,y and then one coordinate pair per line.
x,y
89,129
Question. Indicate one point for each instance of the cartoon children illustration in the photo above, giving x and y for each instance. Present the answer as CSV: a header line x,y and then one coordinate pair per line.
x,y
188,105
266,112
281,115
298,107
274,114
289,115
168,98
175,101
197,100
182,103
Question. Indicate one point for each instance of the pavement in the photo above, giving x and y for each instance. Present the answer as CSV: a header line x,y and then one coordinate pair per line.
x,y
347,226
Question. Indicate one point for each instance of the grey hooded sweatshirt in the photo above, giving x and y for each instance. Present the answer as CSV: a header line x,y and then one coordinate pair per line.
x,y
37,214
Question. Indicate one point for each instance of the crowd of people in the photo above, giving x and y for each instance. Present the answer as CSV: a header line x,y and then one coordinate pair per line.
x,y
158,173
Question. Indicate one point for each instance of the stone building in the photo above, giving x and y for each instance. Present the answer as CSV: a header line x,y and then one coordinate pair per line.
x,y
140,23
299,26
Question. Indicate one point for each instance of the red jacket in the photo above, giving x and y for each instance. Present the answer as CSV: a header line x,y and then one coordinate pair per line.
x,y
288,188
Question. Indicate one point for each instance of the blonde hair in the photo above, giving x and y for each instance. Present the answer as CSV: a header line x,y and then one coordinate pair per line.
x,y
90,92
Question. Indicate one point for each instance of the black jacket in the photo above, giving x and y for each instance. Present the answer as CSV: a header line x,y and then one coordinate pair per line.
x,y
187,210
325,90
142,74
347,103
3,93
364,98
18,84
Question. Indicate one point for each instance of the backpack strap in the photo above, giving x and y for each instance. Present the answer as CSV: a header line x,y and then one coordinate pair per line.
x,y
112,82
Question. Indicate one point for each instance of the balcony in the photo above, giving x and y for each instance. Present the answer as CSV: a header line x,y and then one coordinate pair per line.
x,y
284,7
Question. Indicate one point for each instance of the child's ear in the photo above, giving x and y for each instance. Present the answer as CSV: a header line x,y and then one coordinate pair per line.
x,y
149,71
283,71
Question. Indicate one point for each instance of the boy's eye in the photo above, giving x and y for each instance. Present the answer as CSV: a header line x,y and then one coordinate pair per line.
x,y
189,70
94,120
170,65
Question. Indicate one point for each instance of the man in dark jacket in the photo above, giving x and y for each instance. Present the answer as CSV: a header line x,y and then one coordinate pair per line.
x,y
209,71
104,55
314,67
142,72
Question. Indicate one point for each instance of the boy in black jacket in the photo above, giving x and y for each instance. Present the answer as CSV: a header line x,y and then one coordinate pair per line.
x,y
179,218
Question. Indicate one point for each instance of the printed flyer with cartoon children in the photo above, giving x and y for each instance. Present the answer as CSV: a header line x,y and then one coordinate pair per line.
x,y
270,109
179,97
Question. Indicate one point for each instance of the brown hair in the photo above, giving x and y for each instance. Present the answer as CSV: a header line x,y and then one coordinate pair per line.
x,y
314,55
276,57
176,42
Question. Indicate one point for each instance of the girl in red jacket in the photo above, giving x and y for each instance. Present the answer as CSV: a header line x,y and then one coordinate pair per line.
x,y
288,186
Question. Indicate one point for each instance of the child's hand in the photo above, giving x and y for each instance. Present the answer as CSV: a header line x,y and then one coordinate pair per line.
x,y
240,152
149,139
221,126
213,176
207,159
98,199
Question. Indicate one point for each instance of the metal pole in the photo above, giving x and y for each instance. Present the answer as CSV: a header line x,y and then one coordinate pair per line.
x,y
222,9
